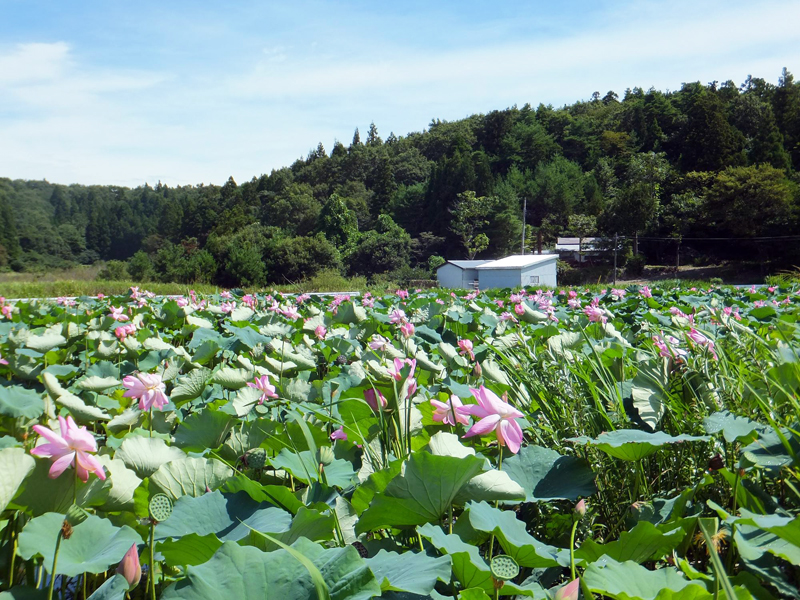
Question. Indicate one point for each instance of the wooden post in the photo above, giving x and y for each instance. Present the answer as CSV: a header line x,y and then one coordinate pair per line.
x,y
616,243
678,258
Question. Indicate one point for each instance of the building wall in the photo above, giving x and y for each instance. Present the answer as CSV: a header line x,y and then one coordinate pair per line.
x,y
449,276
467,277
499,278
515,278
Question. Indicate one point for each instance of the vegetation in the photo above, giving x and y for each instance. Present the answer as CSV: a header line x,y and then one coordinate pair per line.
x,y
627,444
716,160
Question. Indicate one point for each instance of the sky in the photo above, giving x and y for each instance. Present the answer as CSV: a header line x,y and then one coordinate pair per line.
x,y
190,92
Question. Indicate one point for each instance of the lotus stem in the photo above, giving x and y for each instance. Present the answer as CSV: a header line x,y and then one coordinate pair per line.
x,y
55,563
152,565
572,547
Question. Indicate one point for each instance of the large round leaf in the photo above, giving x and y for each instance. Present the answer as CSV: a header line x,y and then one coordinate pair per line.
x,y
145,455
15,465
16,401
189,477
94,546
546,475
246,573
633,444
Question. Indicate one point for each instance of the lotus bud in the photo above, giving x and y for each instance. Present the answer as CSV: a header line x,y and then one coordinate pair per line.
x,y
326,455
580,509
130,568
569,591
477,371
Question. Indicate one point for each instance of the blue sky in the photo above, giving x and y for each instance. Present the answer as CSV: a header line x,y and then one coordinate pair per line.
x,y
113,92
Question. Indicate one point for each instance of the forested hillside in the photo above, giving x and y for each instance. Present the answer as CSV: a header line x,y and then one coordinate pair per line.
x,y
715,160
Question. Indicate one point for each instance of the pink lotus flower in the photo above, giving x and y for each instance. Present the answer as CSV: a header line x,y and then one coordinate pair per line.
x,y
466,348
227,307
249,300
290,313
407,329
182,302
148,388
447,412
574,303
3,361
71,448
320,331
226,295
495,415
507,316
6,311
339,434
595,314
645,292
265,387
379,343
618,294
117,314
100,296
397,316
519,309
372,399
399,363
402,294
130,568
569,591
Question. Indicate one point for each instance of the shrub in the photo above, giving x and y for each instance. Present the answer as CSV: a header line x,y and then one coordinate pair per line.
x,y
634,267
140,267
114,270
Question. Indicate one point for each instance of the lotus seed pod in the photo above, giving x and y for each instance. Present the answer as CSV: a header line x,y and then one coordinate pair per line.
x,y
504,567
160,508
269,348
362,549
341,359
256,458
326,455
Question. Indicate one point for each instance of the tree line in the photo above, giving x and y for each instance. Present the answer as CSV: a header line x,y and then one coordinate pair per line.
x,y
708,160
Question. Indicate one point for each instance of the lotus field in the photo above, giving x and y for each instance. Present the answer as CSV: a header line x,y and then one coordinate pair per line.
x,y
628,444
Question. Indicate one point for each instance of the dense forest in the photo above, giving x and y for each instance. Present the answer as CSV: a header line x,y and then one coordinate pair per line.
x,y
716,160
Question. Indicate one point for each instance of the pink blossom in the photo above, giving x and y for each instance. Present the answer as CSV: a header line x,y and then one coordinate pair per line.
x,y
182,302
402,294
264,386
227,307
499,303
771,289
519,309
574,303
407,329
466,348
117,314
595,314
320,331
290,313
3,361
397,316
439,301
645,292
399,364
618,294
6,311
339,434
573,294
73,447
569,591
507,316
226,295
249,300
368,302
515,298
148,388
130,567
447,412
100,296
372,399
379,343
302,298
496,415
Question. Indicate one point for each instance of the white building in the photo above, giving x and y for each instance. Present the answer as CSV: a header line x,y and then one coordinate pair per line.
x,y
509,272
569,248
459,274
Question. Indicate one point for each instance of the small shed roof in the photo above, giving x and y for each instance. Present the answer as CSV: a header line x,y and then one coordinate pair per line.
x,y
518,261
466,264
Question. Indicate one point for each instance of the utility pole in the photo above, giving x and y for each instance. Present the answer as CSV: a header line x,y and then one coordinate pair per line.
x,y
524,218
616,243
678,257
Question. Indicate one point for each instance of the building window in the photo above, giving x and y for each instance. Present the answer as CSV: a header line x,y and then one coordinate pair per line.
x,y
534,280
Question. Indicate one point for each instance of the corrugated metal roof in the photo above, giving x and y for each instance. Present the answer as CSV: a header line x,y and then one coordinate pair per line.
x,y
518,261
466,264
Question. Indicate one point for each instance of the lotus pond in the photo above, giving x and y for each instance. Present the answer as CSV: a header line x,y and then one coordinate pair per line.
x,y
631,444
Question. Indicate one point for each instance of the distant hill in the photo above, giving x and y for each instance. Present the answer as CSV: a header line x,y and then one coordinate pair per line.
x,y
709,160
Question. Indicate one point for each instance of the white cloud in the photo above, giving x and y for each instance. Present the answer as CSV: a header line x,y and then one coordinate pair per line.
x,y
70,121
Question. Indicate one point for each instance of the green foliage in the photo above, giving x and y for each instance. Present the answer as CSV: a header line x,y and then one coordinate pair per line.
x,y
115,270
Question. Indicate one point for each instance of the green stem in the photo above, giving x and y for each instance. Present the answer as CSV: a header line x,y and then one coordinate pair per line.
x,y
151,420
53,570
496,504
152,566
572,549
75,487
13,524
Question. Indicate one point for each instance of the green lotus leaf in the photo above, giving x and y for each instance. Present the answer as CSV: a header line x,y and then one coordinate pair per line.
x,y
15,466
412,572
205,429
45,342
733,428
146,455
231,378
422,493
643,543
227,516
304,466
247,573
190,386
97,384
189,477
94,546
634,444
546,475
630,581
115,588
17,401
